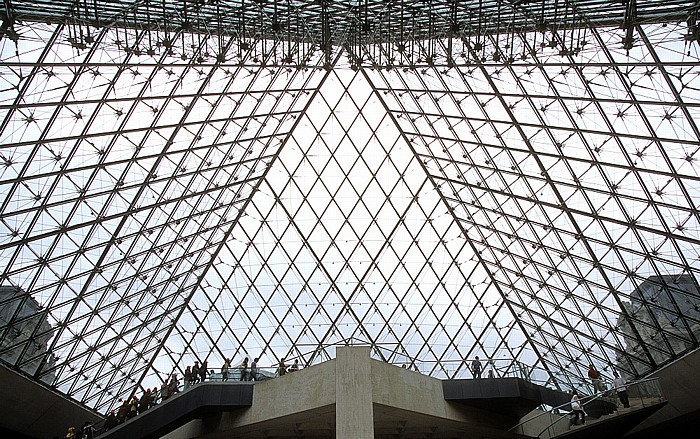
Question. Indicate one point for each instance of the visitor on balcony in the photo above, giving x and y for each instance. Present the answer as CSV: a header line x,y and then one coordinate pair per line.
x,y
153,397
254,369
174,385
195,373
144,401
188,377
476,367
225,368
111,421
203,371
282,368
123,411
164,391
244,370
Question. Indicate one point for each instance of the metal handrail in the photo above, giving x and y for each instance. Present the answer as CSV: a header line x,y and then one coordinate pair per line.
x,y
583,401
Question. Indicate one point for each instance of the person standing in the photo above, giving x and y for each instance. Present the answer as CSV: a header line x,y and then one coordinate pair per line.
x,y
244,370
476,367
621,389
203,371
164,393
577,409
195,373
143,401
133,407
174,386
153,400
188,377
111,421
254,369
224,369
282,369
86,431
123,411
594,375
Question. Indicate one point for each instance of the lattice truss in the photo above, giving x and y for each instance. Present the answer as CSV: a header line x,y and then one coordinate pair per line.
x,y
177,193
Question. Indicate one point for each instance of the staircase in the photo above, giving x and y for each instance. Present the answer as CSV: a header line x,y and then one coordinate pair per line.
x,y
604,418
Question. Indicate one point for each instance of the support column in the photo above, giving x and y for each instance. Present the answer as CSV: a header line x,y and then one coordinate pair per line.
x,y
354,415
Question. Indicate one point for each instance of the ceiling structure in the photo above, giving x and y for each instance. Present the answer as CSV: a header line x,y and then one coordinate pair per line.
x,y
190,180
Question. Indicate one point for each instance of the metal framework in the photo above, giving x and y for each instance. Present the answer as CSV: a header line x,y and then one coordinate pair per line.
x,y
190,180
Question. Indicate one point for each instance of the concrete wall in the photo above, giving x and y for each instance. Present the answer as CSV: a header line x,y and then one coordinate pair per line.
x,y
412,391
354,414
681,387
542,424
285,395
31,409
274,399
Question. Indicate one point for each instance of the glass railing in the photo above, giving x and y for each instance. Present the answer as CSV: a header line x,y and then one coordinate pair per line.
x,y
449,369
550,423
490,368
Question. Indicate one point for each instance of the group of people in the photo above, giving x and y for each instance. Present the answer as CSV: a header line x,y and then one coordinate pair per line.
x,y
194,374
283,369
578,413
87,431
619,385
476,369
247,373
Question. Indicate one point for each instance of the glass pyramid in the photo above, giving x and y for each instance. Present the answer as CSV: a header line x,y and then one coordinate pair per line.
x,y
198,180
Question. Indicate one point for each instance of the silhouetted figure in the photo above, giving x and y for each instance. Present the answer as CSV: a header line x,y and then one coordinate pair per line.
x,y
123,411
203,371
282,369
195,373
244,370
188,377
164,391
224,369
143,402
174,385
86,431
111,420
153,397
254,369
476,367
295,366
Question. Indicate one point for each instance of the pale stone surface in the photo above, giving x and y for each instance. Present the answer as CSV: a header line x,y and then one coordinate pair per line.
x,y
307,389
397,387
353,410
190,430
681,388
542,424
29,408
412,391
